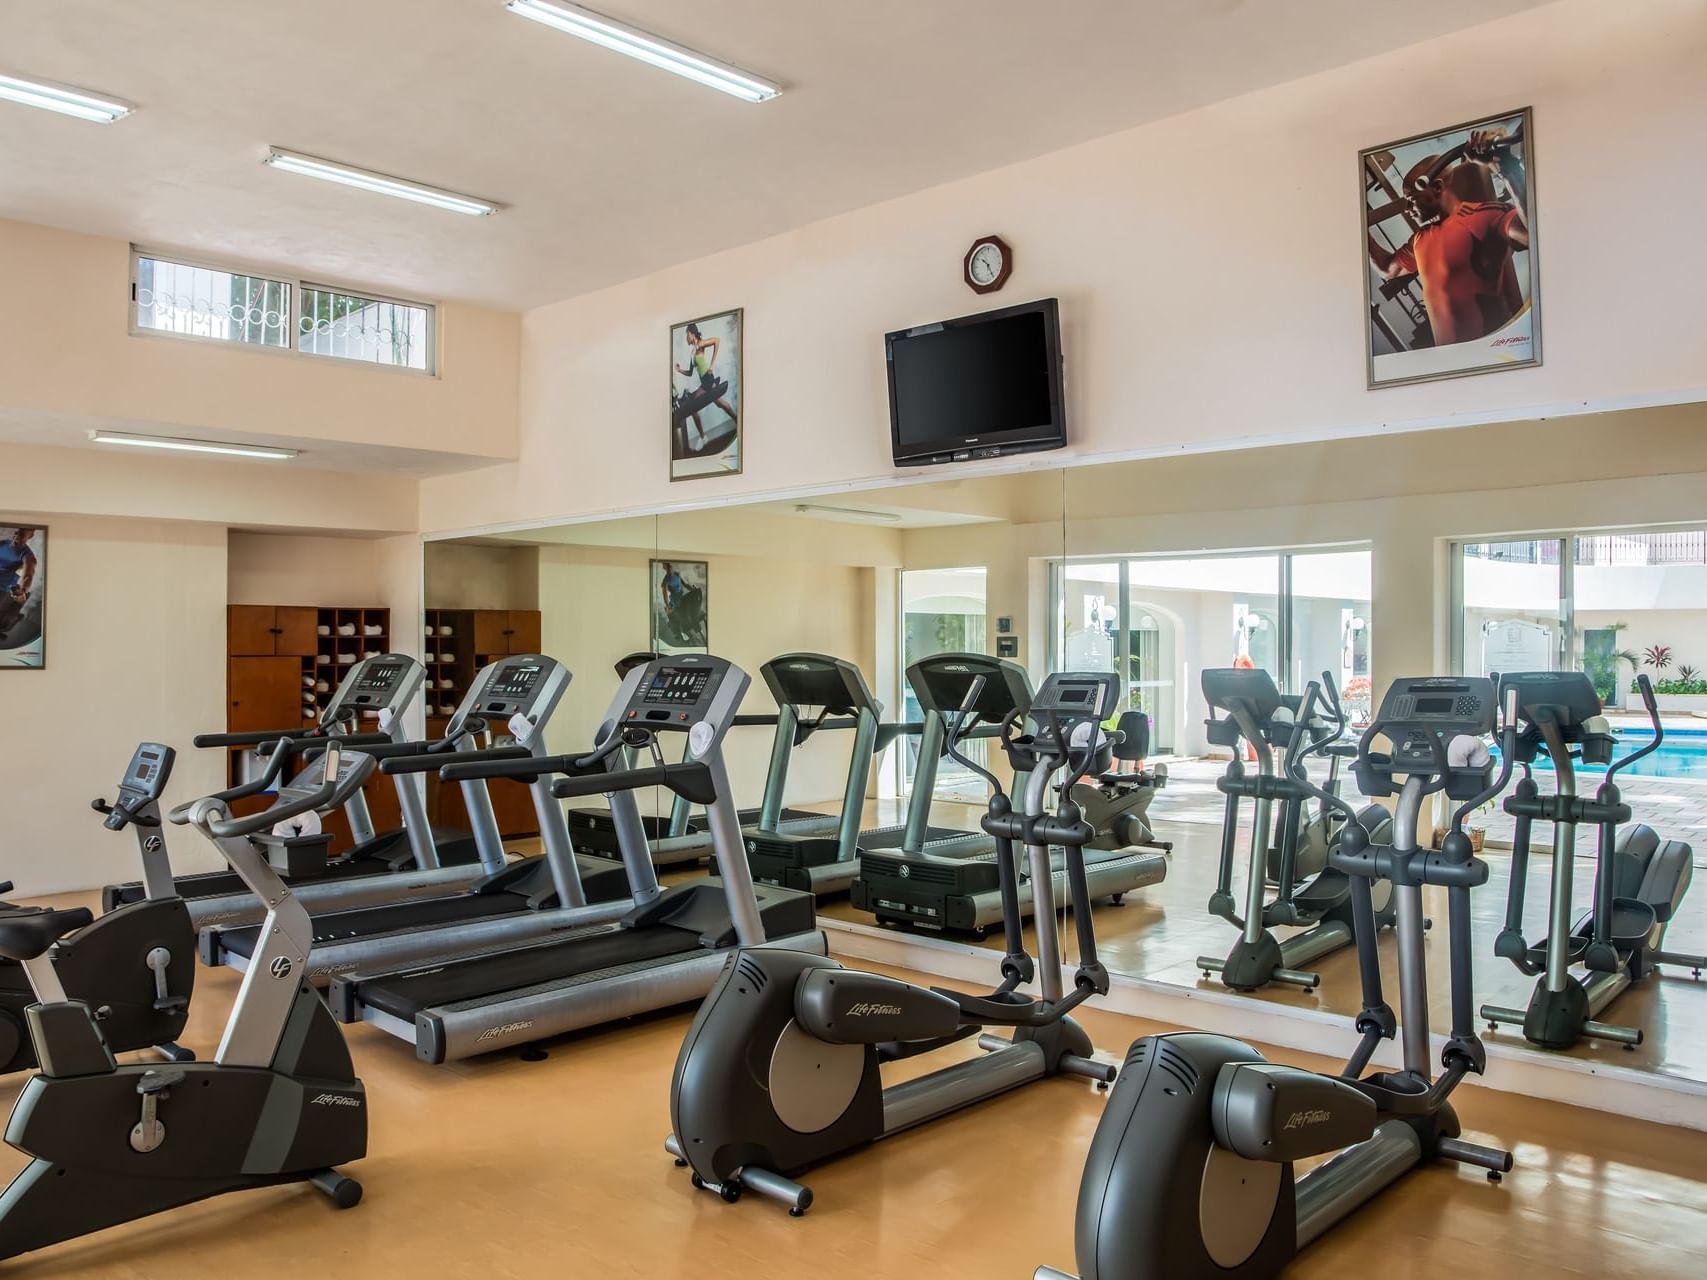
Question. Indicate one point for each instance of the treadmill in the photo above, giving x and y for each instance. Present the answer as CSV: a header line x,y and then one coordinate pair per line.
x,y
680,835
666,951
820,854
955,886
385,685
520,693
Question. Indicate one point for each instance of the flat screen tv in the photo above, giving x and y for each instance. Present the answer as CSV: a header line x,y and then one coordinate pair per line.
x,y
977,387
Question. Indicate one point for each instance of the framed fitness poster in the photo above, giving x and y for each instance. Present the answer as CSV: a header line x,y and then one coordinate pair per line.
x,y
23,596
1451,284
706,396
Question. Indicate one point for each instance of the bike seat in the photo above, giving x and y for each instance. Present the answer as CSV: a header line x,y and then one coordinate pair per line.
x,y
27,934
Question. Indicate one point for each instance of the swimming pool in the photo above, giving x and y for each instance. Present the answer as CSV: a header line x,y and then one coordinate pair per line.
x,y
1683,754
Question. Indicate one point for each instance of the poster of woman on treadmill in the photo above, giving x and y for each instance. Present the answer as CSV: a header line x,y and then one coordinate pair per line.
x,y
1453,270
706,395
23,596
679,614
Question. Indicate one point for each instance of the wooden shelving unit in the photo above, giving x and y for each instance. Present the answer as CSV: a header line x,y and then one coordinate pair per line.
x,y
456,643
276,662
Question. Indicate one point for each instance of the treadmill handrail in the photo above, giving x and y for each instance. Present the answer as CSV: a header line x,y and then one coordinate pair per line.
x,y
426,759
690,779
283,749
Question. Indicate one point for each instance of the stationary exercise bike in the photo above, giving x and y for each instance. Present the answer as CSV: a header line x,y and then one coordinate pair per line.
x,y
1190,1175
780,1071
1639,880
1321,901
280,1102
136,965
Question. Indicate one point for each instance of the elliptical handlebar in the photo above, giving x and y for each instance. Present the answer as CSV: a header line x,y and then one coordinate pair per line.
x,y
1646,687
1295,761
957,728
1508,757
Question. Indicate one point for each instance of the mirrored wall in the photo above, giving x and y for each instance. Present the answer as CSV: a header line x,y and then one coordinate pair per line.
x,y
1284,561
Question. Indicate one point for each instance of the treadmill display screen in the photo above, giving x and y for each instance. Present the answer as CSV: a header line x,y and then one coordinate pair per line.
x,y
380,678
677,686
516,683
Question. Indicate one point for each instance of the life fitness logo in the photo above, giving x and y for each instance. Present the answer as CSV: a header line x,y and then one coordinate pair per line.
x,y
1304,1119
281,967
154,844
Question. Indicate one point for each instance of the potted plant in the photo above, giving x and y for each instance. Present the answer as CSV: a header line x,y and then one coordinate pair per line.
x,y
1682,693
1478,835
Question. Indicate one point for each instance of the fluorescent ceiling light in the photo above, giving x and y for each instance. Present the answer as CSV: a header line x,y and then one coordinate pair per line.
x,y
649,49
66,101
379,183
846,513
192,446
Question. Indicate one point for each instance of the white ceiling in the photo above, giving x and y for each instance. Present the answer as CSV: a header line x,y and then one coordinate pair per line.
x,y
608,168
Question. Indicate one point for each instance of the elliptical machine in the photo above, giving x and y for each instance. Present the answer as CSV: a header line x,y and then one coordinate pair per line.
x,y
136,965
1321,901
780,1070
1117,805
1190,1175
1639,879
280,1102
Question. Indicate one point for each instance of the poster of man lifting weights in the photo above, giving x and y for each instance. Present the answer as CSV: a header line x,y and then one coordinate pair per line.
x,y
1452,282
706,396
23,596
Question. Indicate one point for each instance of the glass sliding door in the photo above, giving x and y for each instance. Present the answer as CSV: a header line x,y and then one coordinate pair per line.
x,y
1329,623
1513,613
942,611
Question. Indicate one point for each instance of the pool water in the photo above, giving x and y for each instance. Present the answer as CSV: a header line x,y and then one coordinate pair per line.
x,y
1683,754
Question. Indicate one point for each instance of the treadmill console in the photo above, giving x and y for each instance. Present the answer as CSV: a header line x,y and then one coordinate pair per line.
x,y
682,692
940,683
819,680
385,683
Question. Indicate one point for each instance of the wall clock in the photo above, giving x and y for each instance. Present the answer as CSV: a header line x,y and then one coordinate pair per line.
x,y
989,263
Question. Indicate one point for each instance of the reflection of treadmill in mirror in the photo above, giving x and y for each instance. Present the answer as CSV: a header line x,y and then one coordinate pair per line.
x,y
819,854
667,950
513,698
380,689
954,885
593,830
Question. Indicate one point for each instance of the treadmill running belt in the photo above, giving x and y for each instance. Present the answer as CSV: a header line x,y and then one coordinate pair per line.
x,y
368,922
402,995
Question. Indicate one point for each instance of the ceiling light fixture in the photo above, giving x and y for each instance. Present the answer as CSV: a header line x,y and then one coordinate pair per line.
x,y
66,101
648,48
379,183
193,446
846,513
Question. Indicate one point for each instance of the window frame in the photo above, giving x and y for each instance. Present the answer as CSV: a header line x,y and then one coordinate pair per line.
x,y
297,283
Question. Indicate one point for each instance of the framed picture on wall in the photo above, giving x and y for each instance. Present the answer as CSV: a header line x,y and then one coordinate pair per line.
x,y
680,617
707,397
23,596
1453,272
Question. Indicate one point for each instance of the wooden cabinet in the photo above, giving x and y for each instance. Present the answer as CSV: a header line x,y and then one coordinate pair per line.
x,y
504,631
524,630
262,693
293,631
264,630
275,679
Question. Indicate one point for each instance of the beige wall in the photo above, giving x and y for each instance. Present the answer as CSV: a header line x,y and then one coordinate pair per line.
x,y
472,576
299,569
595,602
135,651
68,351
1209,267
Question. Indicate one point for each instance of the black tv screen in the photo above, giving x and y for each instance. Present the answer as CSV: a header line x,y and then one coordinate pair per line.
x,y
977,387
